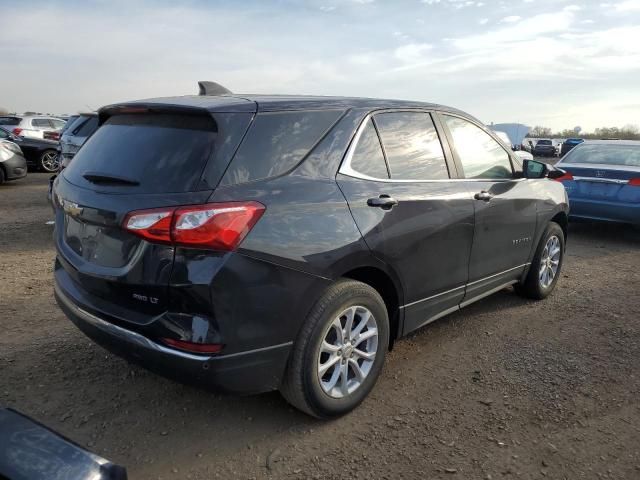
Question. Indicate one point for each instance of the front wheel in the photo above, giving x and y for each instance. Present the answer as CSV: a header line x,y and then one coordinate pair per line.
x,y
339,352
49,161
546,265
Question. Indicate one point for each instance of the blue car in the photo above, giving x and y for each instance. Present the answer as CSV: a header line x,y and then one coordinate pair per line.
x,y
603,180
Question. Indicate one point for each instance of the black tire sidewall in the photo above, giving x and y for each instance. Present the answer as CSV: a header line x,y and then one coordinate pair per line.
x,y
319,401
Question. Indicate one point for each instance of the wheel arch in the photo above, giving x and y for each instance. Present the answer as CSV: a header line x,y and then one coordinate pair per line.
x,y
562,219
389,289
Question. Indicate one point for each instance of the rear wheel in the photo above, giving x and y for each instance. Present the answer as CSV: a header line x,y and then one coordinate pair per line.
x,y
339,352
1,176
546,266
49,161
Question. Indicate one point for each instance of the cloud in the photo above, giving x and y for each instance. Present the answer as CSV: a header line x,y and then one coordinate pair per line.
x,y
511,19
628,6
572,8
412,52
483,21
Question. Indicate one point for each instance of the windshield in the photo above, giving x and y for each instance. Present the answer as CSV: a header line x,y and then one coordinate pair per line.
x,y
624,155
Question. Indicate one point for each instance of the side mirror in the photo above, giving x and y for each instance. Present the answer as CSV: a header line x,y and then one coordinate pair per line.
x,y
534,169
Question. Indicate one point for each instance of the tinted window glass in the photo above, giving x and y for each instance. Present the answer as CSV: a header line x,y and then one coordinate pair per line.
x,y
10,121
165,153
86,128
368,158
58,124
41,122
4,133
625,155
544,142
277,142
69,123
412,146
481,156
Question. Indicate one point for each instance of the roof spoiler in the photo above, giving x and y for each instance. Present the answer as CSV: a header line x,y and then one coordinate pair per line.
x,y
212,88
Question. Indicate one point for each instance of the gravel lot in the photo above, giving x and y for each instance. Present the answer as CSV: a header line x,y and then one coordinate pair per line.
x,y
507,388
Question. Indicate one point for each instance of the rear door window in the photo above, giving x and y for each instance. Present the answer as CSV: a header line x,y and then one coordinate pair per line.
x,y
86,127
163,152
412,146
277,142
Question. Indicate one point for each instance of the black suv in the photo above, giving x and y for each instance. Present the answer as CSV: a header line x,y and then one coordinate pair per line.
x,y
251,243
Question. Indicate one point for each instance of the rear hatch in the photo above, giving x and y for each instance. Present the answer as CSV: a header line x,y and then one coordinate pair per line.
x,y
603,182
137,159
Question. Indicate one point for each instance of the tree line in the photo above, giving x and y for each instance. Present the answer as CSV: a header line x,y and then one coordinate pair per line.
x,y
628,132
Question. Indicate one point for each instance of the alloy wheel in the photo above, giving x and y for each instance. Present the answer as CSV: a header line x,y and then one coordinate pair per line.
x,y
550,261
49,161
347,352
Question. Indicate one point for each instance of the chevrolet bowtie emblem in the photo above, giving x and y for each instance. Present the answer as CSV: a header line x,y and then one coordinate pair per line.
x,y
71,208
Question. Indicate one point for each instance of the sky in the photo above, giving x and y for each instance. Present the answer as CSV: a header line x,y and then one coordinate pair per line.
x,y
557,63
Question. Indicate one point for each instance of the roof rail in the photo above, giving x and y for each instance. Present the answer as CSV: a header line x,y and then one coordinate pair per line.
x,y
212,88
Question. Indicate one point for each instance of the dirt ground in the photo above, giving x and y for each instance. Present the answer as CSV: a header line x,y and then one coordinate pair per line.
x,y
506,388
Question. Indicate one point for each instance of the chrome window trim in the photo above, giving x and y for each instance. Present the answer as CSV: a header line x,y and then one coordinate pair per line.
x,y
346,169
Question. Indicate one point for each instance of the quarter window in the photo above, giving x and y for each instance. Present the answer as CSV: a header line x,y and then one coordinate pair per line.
x,y
412,146
368,158
481,156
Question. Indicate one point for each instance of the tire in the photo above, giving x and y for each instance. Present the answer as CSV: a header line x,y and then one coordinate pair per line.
x,y
48,161
1,176
309,389
536,285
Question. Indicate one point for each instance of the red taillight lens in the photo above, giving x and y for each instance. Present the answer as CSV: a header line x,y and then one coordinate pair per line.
x,y
566,176
634,182
218,226
17,131
193,347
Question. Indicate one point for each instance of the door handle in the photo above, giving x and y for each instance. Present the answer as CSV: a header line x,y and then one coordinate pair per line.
x,y
483,195
384,202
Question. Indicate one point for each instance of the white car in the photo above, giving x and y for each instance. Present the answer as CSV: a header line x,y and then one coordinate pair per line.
x,y
32,126
522,154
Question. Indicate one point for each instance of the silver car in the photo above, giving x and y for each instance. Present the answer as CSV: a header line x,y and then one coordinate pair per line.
x,y
32,126
73,137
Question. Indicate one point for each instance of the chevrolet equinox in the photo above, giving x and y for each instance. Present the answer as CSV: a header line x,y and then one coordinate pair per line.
x,y
257,242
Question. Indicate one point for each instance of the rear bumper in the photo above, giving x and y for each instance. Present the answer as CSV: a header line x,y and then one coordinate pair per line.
x,y
246,372
603,210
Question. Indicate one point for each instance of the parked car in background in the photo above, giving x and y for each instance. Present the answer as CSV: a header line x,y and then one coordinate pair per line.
x,y
603,180
13,165
32,126
521,154
568,144
544,148
40,154
74,137
253,242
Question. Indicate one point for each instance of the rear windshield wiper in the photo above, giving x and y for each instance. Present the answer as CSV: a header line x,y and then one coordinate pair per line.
x,y
97,177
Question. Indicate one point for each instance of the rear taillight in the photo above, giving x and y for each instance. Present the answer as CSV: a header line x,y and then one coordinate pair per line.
x,y
566,176
193,347
17,131
217,226
634,182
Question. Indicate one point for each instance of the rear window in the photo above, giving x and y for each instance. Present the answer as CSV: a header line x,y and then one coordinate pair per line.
x,y
277,142
41,122
85,127
10,121
624,155
69,122
544,142
163,152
